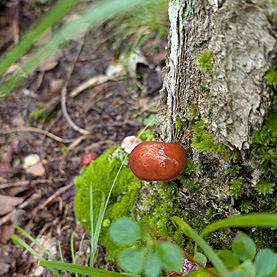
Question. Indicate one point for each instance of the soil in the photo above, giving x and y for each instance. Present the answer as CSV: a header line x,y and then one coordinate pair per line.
x,y
40,199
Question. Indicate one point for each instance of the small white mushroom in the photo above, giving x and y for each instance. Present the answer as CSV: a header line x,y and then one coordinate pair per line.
x,y
129,143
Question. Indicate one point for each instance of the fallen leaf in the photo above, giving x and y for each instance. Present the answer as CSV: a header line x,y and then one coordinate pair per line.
x,y
49,64
6,231
36,169
7,203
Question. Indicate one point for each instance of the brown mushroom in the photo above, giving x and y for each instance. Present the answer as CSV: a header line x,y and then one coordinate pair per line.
x,y
157,161
87,158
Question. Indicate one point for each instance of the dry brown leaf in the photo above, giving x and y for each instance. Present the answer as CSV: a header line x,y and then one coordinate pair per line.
x,y
6,231
36,169
7,203
49,64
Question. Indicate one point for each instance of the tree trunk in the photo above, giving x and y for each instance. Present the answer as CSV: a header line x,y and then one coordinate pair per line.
x,y
229,99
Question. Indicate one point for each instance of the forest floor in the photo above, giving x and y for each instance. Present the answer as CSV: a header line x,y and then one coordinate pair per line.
x,y
40,197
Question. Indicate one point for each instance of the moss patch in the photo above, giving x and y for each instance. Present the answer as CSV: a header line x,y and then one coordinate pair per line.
x,y
100,174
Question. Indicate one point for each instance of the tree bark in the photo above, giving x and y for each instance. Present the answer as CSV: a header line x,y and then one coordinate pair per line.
x,y
243,45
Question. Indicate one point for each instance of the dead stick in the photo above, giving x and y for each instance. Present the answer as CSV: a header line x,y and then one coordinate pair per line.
x,y
34,182
64,92
40,131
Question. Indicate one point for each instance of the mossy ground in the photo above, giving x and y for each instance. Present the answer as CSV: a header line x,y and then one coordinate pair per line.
x,y
101,174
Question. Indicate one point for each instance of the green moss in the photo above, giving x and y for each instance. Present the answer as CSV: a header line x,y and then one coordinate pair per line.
x,y
236,186
101,174
178,124
264,144
203,61
203,141
246,206
265,187
187,175
271,77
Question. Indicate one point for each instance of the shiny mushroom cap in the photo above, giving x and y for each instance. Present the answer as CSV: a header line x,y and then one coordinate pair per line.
x,y
87,158
157,161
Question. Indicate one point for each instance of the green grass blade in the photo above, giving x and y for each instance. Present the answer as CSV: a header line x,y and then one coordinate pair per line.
x,y
247,220
93,243
95,272
80,248
98,13
19,241
99,221
61,255
35,242
48,20
72,249
214,258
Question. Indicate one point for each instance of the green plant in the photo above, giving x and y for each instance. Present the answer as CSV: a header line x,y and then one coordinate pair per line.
x,y
39,115
271,78
138,26
95,227
151,256
243,260
186,177
111,165
178,124
202,140
203,61
233,170
264,144
236,186
63,149
264,187
246,206
148,121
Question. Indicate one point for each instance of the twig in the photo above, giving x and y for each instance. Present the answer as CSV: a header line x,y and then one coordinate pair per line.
x,y
7,217
63,96
95,81
57,193
34,182
40,131
39,236
69,148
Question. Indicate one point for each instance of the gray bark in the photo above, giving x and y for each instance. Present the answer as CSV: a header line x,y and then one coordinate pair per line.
x,y
243,46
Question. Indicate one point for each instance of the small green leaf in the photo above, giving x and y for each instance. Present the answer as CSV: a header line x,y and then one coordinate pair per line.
x,y
150,120
244,247
170,256
152,266
265,262
200,258
132,260
125,231
228,258
248,268
236,274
